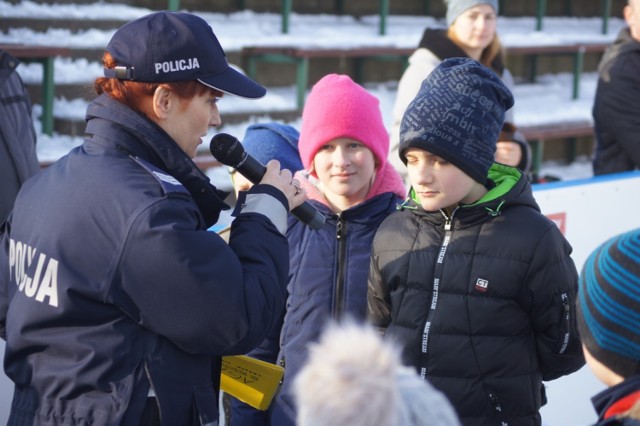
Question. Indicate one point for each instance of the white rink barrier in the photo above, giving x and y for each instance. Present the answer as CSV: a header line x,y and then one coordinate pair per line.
x,y
590,211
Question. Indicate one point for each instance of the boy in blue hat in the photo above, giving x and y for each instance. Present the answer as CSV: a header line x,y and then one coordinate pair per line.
x,y
266,142
609,324
469,277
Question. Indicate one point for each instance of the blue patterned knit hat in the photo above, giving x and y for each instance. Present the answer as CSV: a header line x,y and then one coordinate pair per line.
x,y
609,304
458,115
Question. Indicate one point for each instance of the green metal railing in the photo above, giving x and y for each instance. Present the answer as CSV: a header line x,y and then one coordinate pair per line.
x,y
541,10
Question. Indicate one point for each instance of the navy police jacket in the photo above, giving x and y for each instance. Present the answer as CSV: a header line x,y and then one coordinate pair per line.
x,y
111,288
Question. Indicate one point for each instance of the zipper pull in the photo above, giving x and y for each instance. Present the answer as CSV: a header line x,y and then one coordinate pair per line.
x,y
565,305
282,364
339,228
566,326
495,402
448,218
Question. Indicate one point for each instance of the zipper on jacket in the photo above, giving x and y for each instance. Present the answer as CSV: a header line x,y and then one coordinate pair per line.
x,y
565,328
282,363
497,408
152,391
424,342
338,297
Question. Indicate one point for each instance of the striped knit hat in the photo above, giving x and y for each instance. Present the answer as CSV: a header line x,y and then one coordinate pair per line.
x,y
609,304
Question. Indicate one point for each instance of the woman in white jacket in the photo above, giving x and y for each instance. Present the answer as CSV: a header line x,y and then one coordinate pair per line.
x,y
470,32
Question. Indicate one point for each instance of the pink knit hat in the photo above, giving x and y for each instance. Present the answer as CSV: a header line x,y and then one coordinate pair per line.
x,y
339,108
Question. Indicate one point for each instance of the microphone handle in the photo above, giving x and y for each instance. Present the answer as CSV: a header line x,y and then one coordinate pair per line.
x,y
308,214
251,168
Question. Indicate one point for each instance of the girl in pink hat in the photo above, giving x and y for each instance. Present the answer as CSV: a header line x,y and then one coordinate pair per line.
x,y
343,146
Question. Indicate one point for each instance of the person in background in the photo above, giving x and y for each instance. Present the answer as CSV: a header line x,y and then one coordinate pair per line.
x,y
475,284
344,148
18,158
616,123
609,323
116,303
470,32
266,142
353,377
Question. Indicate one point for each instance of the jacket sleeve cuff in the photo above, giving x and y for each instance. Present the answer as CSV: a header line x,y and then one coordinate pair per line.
x,y
267,201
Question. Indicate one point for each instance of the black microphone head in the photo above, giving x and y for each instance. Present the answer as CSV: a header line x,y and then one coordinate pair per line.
x,y
226,149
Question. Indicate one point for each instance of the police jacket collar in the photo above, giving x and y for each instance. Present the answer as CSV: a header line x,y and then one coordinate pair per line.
x,y
7,65
113,125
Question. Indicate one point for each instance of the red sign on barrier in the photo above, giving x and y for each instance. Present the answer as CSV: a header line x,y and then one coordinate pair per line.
x,y
560,220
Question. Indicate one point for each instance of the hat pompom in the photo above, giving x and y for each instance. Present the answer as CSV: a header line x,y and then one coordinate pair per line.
x,y
355,378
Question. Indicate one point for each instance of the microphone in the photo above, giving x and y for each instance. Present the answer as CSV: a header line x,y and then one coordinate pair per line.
x,y
229,151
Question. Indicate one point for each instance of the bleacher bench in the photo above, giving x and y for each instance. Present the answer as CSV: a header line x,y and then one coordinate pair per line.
x,y
44,55
566,131
287,6
577,50
536,135
300,57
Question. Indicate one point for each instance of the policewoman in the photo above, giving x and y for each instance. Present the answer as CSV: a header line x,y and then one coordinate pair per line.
x,y
115,302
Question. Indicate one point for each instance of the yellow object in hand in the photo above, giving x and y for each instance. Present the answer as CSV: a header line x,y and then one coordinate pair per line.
x,y
250,380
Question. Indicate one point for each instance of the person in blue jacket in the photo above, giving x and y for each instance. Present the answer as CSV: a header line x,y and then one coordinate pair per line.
x,y
116,304
344,148
264,142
